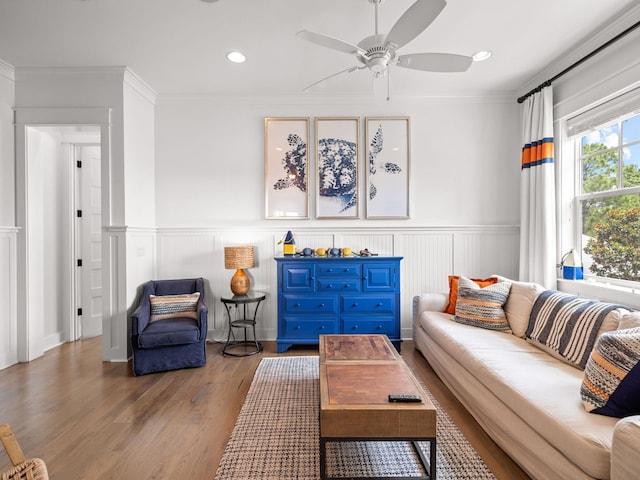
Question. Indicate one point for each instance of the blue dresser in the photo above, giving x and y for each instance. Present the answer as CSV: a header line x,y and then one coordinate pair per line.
x,y
325,295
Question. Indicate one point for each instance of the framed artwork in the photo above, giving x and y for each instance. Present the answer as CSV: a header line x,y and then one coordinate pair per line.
x,y
388,143
286,179
337,161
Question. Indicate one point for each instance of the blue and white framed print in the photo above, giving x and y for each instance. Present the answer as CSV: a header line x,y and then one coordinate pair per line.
x,y
388,160
338,166
286,174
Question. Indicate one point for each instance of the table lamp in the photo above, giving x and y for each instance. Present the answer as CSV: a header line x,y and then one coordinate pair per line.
x,y
239,257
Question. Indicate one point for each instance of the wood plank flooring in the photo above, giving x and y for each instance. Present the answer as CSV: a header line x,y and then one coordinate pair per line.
x,y
93,420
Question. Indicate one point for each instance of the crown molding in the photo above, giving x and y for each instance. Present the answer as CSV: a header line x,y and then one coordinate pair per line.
x,y
140,86
7,71
619,23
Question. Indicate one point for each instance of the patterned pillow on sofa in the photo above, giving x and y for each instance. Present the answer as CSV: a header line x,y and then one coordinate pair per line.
x,y
482,307
174,306
611,383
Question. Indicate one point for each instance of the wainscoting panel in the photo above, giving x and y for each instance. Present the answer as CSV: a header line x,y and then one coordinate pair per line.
x,y
8,298
430,255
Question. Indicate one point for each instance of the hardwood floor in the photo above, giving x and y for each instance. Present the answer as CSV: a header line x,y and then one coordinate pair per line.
x,y
88,419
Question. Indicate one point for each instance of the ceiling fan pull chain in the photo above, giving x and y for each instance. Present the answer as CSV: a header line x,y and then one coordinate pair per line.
x,y
388,83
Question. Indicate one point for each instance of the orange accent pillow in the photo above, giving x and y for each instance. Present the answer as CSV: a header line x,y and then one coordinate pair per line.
x,y
453,290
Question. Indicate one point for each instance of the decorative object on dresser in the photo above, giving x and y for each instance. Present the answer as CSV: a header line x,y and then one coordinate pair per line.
x,y
325,295
238,258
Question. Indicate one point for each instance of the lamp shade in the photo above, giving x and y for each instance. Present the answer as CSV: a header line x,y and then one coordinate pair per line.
x,y
238,257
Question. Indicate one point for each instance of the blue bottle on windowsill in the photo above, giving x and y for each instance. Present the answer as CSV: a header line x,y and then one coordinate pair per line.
x,y
572,266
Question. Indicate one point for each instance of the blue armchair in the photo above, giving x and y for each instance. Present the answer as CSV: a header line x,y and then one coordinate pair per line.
x,y
173,340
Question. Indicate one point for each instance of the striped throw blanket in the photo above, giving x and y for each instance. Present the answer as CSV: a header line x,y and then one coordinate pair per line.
x,y
567,324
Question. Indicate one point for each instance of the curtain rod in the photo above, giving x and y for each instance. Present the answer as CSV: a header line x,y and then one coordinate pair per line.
x,y
579,62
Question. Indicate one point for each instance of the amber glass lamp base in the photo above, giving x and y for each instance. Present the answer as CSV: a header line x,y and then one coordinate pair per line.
x,y
240,283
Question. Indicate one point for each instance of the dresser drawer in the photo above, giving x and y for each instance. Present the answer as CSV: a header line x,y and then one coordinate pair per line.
x,y
386,325
342,270
307,328
338,285
375,304
317,304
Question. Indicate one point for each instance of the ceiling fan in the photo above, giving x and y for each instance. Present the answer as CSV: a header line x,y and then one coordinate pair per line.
x,y
377,52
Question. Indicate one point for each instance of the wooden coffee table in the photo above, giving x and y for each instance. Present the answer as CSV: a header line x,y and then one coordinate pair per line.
x,y
357,374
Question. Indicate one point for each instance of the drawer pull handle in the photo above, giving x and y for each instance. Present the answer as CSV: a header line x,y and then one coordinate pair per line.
x,y
321,305
379,327
355,304
297,327
355,327
321,327
379,304
329,269
329,286
346,270
346,285
297,305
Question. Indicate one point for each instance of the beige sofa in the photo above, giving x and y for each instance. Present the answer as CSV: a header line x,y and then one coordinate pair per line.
x,y
527,400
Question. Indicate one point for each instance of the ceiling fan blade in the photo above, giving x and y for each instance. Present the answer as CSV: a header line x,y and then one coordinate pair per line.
x,y
435,62
413,22
348,70
329,42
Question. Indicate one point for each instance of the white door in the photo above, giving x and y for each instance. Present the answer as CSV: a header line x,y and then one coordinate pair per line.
x,y
89,278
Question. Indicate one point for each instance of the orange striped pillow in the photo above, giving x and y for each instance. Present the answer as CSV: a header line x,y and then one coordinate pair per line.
x,y
482,307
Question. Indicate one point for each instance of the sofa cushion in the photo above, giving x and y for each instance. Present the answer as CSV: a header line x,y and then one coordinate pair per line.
x,y
568,326
173,306
519,304
629,320
453,290
482,307
173,331
611,383
540,389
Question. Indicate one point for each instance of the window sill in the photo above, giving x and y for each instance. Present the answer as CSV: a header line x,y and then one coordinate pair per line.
x,y
601,291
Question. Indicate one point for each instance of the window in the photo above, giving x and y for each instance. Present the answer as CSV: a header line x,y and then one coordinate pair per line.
x,y
608,199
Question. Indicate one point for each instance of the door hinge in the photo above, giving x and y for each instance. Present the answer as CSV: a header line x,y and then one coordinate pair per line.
x,y
79,213
79,262
79,163
79,312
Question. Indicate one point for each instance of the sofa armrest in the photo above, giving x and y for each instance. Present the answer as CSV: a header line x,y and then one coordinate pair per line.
x,y
625,461
435,302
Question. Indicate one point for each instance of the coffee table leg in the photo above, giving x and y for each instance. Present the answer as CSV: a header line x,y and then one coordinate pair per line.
x,y
429,465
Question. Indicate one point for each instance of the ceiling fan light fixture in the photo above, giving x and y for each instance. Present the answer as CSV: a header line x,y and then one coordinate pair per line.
x,y
236,57
482,55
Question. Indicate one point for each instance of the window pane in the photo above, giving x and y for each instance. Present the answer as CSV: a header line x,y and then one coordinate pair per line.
x,y
631,129
611,237
631,166
600,139
600,170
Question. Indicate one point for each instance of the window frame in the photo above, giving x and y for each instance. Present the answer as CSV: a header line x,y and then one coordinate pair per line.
x,y
575,143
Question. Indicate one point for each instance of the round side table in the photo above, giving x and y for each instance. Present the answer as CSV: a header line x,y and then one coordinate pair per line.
x,y
246,322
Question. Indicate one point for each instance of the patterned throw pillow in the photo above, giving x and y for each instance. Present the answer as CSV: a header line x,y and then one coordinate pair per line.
x,y
611,383
482,307
174,306
453,290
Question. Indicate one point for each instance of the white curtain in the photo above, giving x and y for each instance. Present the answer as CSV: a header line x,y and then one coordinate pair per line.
x,y
537,198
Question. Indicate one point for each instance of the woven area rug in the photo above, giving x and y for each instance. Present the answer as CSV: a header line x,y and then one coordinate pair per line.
x,y
276,436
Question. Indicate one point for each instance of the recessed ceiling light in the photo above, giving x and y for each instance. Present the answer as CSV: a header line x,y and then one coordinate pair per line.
x,y
209,1
236,57
481,55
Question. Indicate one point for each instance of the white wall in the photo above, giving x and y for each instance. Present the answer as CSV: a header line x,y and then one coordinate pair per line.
x,y
8,232
210,161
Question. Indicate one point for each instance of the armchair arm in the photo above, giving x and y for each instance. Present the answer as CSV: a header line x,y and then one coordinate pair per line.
x,y
625,462
141,316
435,302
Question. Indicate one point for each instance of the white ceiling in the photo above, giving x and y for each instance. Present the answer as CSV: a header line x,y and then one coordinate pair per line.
x,y
179,46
